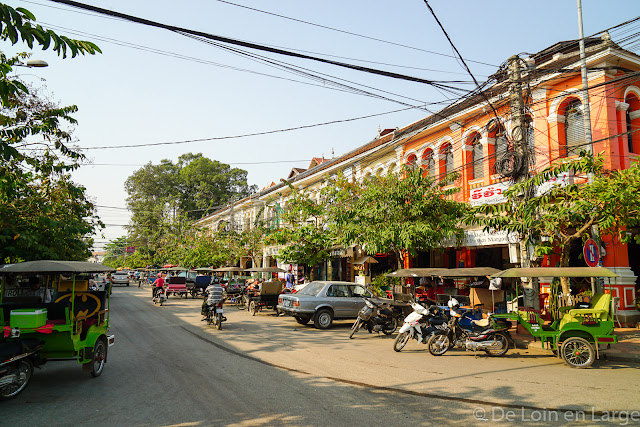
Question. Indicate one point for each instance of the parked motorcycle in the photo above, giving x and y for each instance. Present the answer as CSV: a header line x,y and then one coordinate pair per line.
x,y
490,335
375,318
159,296
17,359
419,325
214,314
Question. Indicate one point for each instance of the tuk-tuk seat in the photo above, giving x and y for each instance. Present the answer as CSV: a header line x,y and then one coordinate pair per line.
x,y
177,280
57,313
599,309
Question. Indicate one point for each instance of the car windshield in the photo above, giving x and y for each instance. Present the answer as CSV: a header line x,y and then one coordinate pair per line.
x,y
311,289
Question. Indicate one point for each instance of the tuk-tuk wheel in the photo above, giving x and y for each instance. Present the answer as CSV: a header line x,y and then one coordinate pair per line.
x,y
252,308
99,358
577,352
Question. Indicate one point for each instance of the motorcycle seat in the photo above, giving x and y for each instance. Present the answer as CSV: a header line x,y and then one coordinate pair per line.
x,y
482,322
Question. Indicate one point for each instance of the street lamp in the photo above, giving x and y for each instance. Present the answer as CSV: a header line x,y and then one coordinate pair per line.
x,y
33,63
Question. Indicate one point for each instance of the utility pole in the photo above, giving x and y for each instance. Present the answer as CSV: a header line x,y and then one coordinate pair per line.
x,y
596,285
519,128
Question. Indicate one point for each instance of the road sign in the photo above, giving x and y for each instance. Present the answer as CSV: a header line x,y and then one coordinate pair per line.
x,y
591,253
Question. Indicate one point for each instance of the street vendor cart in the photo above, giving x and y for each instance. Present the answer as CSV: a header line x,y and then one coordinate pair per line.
x,y
51,301
576,333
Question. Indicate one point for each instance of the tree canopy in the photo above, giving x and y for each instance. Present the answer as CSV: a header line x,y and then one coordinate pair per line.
x,y
553,216
399,212
43,214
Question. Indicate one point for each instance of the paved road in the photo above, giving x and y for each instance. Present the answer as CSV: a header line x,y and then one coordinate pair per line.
x,y
168,368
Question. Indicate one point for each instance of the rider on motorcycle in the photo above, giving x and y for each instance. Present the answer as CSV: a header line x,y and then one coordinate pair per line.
x,y
158,284
214,294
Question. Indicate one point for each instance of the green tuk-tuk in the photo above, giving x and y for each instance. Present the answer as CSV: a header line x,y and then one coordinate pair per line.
x,y
578,333
53,302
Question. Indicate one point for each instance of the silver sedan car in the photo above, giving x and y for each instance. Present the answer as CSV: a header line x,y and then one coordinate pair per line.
x,y
323,302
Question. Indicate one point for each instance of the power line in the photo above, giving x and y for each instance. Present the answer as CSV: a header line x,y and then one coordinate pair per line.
x,y
251,45
308,23
347,32
219,138
231,163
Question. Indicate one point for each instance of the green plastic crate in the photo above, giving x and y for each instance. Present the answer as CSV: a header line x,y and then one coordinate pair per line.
x,y
28,318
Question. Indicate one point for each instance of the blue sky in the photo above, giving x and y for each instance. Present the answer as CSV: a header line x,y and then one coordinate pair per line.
x,y
129,95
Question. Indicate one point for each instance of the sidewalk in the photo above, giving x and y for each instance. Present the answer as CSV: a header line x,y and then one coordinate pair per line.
x,y
626,350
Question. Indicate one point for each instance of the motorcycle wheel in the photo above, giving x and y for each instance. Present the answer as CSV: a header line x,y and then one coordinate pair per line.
x,y
390,327
240,303
438,344
355,328
401,340
24,372
218,322
252,308
161,301
504,341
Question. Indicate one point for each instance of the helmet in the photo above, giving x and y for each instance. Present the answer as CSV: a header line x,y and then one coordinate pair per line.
x,y
159,274
453,304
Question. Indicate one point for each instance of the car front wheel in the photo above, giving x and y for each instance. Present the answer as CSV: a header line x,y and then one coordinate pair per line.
x,y
324,319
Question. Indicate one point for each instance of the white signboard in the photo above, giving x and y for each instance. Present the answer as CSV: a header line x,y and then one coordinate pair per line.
x,y
480,238
492,194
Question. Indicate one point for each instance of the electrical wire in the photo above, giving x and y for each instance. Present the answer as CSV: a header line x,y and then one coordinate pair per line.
x,y
251,45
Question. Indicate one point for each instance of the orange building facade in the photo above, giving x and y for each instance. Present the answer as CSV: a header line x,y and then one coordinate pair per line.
x,y
473,139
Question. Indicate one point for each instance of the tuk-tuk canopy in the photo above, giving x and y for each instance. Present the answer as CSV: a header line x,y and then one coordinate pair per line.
x,y
557,272
471,272
418,272
53,266
229,269
265,270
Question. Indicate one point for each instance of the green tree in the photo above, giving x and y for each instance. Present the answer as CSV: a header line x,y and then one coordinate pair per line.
x,y
206,185
162,198
399,212
43,214
303,231
551,220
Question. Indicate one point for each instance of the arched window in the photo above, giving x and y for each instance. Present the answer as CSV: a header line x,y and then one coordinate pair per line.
x,y
477,157
632,116
446,162
428,163
412,161
501,143
574,134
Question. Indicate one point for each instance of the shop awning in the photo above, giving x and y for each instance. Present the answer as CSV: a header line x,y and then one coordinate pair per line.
x,y
364,259
557,272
